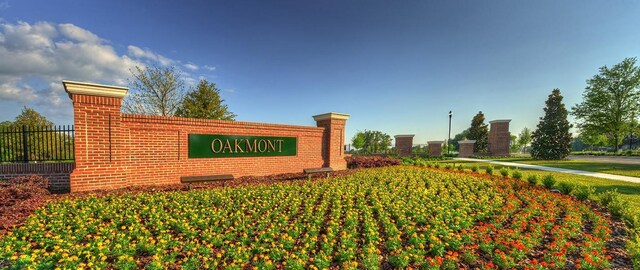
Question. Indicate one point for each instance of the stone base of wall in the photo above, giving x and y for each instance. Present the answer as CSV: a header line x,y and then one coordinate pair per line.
x,y
57,173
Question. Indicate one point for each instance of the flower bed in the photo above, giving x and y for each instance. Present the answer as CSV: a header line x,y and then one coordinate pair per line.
x,y
376,218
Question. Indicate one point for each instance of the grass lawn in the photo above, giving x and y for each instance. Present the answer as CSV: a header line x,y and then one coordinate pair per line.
x,y
583,165
629,191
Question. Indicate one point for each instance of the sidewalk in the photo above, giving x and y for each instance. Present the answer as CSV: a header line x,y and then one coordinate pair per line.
x,y
561,170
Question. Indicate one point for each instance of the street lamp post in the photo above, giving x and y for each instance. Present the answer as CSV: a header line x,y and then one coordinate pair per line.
x,y
449,139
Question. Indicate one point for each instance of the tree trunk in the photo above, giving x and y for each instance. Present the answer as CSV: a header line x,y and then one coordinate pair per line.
x,y
615,141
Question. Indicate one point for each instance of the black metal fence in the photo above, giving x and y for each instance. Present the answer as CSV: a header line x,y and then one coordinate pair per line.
x,y
28,143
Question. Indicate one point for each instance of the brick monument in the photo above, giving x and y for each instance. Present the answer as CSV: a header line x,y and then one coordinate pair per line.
x,y
435,148
115,150
499,137
465,148
404,144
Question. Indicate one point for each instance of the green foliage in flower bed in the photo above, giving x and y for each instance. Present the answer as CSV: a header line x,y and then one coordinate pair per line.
x,y
394,216
627,192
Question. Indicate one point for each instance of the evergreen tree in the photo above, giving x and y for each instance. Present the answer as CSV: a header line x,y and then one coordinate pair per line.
x,y
479,131
204,101
551,139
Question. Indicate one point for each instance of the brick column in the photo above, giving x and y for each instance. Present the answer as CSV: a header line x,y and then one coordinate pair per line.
x,y
333,139
404,145
499,137
99,152
465,148
435,148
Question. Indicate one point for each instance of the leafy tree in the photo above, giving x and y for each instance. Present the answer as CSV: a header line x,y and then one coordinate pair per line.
x,y
515,146
358,140
524,138
479,131
610,101
204,101
371,141
594,139
154,91
30,117
551,139
41,144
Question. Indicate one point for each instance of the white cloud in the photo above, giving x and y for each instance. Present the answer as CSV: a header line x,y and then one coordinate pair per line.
x,y
36,57
78,34
147,54
11,90
209,68
191,66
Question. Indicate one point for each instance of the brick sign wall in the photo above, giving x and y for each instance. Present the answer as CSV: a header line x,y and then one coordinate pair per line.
x,y
116,150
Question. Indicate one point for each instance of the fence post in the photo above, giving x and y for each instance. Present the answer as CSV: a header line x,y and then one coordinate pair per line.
x,y
25,145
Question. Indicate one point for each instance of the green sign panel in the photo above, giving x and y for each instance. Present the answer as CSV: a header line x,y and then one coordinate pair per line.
x,y
213,146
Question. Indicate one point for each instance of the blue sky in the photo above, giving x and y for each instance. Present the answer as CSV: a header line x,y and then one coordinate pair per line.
x,y
395,66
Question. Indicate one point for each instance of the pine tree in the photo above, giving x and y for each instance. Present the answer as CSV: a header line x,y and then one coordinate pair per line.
x,y
551,139
479,131
204,101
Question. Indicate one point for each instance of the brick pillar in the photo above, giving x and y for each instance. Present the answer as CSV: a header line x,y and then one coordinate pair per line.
x,y
499,137
99,152
404,145
333,139
465,148
435,148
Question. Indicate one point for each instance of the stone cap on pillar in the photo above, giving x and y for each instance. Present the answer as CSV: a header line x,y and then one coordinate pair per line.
x,y
404,136
435,142
500,121
467,141
94,89
331,115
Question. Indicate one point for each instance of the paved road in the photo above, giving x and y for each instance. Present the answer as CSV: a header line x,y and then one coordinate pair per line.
x,y
609,159
551,169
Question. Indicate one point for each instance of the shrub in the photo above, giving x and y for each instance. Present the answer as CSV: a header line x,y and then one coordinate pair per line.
x,y
475,168
407,161
517,174
448,166
565,187
504,172
429,165
609,196
437,165
354,162
582,192
618,208
420,162
489,169
532,179
461,168
549,181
